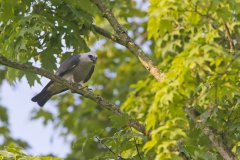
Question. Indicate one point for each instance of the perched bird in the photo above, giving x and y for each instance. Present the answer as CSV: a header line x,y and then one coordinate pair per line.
x,y
77,68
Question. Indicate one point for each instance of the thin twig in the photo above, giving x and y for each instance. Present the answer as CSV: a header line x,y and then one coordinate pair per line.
x,y
185,155
107,34
197,12
100,141
135,142
229,37
230,116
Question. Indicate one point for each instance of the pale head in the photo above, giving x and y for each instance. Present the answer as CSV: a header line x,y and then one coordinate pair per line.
x,y
88,57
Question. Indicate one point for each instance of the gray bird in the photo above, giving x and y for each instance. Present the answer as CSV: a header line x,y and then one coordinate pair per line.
x,y
77,68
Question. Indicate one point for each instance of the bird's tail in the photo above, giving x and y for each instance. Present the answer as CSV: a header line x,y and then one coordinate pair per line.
x,y
42,97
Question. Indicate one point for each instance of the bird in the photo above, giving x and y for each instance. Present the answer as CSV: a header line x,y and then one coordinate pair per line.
x,y
77,68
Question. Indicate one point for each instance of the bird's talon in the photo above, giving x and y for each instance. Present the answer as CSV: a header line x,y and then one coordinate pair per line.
x,y
73,91
90,89
80,87
83,87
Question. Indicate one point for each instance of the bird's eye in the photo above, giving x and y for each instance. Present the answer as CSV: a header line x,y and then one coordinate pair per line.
x,y
90,56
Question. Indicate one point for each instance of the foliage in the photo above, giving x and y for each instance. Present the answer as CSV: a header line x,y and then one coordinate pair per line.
x,y
13,152
201,69
187,39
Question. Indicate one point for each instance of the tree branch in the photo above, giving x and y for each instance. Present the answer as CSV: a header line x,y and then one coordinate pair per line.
x,y
107,34
229,37
126,41
76,88
212,134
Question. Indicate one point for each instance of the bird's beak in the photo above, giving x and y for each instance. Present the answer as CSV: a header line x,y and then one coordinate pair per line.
x,y
94,59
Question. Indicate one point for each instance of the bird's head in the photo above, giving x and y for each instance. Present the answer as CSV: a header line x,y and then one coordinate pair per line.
x,y
89,57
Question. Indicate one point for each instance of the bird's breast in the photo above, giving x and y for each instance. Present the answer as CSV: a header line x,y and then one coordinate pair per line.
x,y
81,71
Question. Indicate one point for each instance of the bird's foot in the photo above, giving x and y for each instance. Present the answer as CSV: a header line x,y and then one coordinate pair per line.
x,y
89,89
80,87
83,87
77,86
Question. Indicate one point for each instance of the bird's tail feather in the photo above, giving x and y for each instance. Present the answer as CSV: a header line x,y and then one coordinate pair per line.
x,y
42,98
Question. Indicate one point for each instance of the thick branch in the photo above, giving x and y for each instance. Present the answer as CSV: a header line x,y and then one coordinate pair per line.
x,y
212,134
126,41
74,87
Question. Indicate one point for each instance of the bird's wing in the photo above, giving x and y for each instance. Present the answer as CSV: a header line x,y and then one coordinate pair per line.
x,y
89,74
68,65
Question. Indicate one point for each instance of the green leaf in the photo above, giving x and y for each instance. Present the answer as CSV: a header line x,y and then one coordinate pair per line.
x,y
12,75
119,121
3,114
14,152
48,61
224,13
165,26
47,116
150,144
31,78
14,149
130,153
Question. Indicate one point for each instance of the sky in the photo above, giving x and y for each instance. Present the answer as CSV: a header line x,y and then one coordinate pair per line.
x,y
43,139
